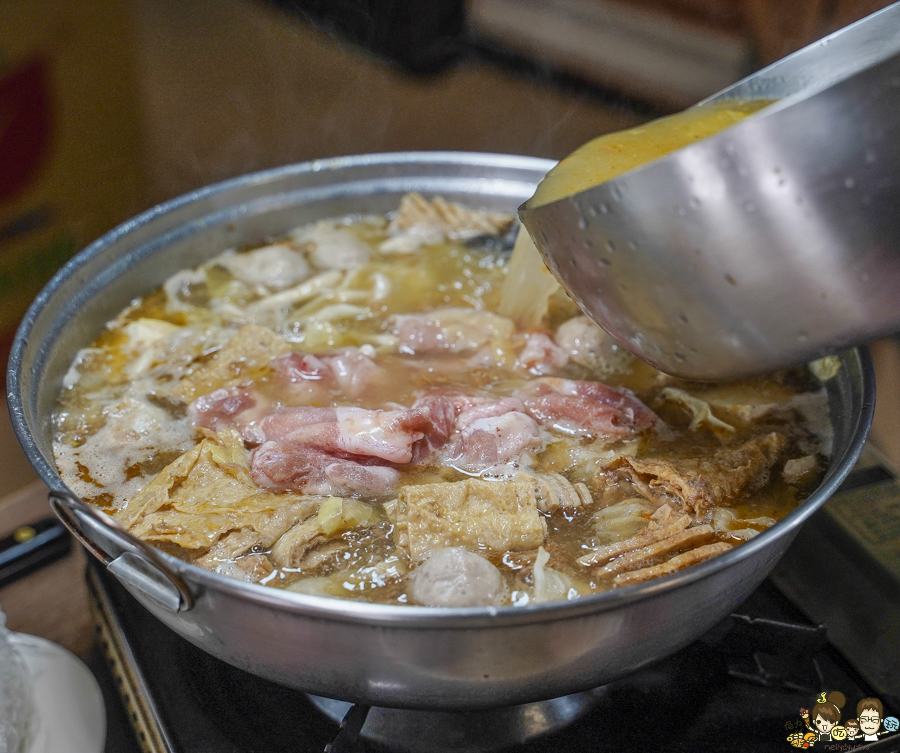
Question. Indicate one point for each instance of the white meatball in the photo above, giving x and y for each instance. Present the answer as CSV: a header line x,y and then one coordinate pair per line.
x,y
455,577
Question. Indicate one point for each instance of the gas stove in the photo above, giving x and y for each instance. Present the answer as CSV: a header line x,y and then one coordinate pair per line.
x,y
827,619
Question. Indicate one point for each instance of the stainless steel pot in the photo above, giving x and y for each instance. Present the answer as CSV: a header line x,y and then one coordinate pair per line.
x,y
408,657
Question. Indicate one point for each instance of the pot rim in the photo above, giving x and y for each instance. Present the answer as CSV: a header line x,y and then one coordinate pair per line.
x,y
403,616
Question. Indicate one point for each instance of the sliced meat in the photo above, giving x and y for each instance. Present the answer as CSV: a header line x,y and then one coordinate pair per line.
x,y
348,370
442,412
541,355
280,425
704,482
472,408
290,466
451,329
305,379
456,577
453,411
349,478
389,435
221,408
645,538
353,370
678,562
487,442
586,408
297,368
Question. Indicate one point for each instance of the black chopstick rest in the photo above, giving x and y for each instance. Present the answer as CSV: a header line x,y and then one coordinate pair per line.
x,y
31,547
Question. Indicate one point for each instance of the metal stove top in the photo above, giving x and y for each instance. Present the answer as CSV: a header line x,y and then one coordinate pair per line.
x,y
828,619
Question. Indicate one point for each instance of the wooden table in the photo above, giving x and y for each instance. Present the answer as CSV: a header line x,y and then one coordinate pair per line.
x,y
53,601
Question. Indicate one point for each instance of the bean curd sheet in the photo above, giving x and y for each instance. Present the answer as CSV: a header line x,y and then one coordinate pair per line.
x,y
395,409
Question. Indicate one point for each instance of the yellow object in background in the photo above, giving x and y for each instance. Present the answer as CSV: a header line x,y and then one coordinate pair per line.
x,y
70,147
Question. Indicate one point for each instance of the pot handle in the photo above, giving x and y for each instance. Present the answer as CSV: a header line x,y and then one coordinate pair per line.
x,y
137,564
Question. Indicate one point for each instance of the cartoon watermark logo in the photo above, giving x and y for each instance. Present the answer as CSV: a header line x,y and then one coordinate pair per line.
x,y
822,728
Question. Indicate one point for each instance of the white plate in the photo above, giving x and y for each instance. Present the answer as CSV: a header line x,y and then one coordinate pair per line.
x,y
70,710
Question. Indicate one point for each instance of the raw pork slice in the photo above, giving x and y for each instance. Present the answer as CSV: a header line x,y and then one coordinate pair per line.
x,y
586,408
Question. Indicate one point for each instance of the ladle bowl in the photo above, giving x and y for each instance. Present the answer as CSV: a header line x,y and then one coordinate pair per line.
x,y
772,243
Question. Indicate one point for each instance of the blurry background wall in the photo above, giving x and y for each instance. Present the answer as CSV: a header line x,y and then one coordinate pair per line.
x,y
229,86
232,86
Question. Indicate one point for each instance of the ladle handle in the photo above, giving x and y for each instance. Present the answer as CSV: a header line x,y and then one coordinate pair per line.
x,y
135,563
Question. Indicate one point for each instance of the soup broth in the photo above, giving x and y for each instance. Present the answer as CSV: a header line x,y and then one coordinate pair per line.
x,y
611,155
357,410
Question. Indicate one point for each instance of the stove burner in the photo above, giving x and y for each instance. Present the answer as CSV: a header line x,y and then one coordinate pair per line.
x,y
440,731
773,653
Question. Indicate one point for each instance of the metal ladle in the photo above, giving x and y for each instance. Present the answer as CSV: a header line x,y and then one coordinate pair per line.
x,y
772,243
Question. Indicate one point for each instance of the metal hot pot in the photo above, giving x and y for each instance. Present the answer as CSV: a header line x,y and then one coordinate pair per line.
x,y
405,657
